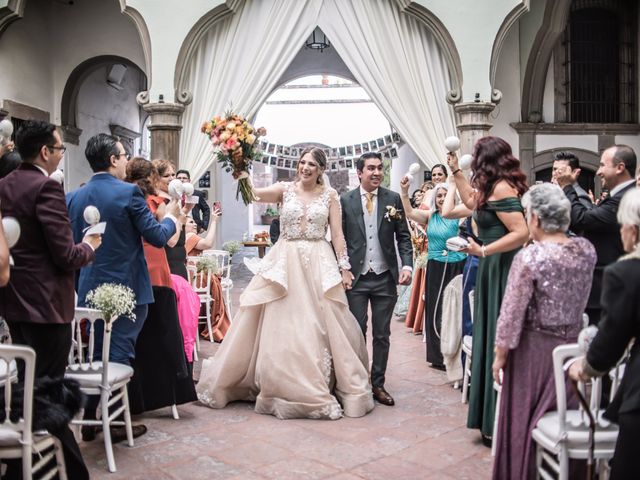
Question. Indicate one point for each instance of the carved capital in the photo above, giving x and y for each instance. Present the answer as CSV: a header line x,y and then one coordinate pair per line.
x,y
454,96
164,116
185,97
143,97
496,96
71,134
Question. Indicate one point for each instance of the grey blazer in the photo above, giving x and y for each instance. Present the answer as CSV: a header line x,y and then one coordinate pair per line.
x,y
389,232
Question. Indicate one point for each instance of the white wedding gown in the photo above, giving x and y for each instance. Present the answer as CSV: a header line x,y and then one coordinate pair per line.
x,y
294,347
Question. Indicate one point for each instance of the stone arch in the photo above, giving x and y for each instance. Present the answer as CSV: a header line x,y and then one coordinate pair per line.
x,y
553,24
588,159
14,10
68,110
510,20
143,31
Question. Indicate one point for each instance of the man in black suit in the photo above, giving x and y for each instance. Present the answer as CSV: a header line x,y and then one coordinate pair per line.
x,y
371,235
599,224
567,162
201,211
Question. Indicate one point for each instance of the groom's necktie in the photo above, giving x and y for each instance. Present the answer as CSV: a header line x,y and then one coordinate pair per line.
x,y
369,196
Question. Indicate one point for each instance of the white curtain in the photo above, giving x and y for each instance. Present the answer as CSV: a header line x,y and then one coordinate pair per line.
x,y
237,65
391,54
399,64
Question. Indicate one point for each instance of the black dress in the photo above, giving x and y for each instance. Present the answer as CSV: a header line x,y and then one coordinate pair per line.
x,y
177,257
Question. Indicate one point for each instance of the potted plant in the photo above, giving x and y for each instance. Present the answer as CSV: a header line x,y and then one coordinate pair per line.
x,y
269,215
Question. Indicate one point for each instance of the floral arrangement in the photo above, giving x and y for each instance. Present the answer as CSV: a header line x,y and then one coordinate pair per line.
x,y
208,262
392,213
113,300
421,261
232,246
234,139
261,237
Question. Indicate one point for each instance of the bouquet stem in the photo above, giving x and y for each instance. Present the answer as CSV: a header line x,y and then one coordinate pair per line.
x,y
245,189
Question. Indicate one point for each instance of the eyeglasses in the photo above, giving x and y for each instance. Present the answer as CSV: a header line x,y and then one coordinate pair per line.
x,y
62,148
125,155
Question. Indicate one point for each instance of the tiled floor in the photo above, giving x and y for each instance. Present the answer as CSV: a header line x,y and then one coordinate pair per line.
x,y
422,436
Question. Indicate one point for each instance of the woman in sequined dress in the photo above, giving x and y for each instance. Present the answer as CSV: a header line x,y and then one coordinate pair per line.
x,y
294,348
542,308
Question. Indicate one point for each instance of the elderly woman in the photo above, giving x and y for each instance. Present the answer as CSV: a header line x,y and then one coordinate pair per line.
x,y
620,324
542,308
442,265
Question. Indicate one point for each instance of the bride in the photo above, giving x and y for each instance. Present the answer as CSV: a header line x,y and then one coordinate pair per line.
x,y
294,347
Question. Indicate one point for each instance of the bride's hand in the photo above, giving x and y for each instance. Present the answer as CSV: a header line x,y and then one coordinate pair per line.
x,y
347,279
404,185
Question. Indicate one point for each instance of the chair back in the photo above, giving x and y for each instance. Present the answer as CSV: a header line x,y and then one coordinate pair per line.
x,y
200,280
84,359
224,262
13,354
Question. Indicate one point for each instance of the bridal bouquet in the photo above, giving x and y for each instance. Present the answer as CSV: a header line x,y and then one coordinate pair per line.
x,y
234,145
113,300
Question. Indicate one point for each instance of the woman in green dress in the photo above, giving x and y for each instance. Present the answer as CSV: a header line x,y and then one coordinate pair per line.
x,y
497,184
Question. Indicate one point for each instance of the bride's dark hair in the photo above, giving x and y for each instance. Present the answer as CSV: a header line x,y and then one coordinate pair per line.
x,y
318,155
493,161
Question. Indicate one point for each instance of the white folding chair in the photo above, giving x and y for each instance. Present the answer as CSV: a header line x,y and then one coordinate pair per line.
x,y
101,377
564,434
467,345
224,265
16,438
201,285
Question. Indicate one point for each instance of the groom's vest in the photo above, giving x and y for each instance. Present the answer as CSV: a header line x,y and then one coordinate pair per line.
x,y
373,258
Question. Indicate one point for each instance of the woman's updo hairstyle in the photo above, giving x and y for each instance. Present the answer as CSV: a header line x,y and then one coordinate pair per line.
x,y
550,204
141,172
319,156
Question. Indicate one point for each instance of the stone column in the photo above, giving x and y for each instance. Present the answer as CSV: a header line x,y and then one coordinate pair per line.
x,y
473,122
165,124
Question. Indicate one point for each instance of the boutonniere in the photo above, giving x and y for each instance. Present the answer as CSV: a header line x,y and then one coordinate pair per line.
x,y
393,213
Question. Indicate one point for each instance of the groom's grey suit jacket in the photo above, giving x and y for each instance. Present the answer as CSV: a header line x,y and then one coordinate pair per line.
x,y
389,232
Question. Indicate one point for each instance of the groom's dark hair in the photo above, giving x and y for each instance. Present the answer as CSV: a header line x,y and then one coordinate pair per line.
x,y
364,157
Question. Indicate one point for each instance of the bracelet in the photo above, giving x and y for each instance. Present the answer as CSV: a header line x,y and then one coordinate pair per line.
x,y
484,254
456,171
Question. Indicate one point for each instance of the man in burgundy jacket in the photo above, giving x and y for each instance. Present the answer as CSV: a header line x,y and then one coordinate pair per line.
x,y
38,302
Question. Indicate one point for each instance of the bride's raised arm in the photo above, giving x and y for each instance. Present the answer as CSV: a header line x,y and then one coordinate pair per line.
x,y
270,194
337,239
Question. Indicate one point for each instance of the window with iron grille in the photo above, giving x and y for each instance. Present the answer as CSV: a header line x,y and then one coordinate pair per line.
x,y
599,49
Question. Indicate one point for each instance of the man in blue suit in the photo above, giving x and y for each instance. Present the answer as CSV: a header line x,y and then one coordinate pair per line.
x,y
121,257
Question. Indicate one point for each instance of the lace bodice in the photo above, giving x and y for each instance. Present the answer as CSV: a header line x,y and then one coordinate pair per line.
x,y
304,221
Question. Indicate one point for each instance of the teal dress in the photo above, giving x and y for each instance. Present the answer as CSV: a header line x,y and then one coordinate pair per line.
x,y
442,266
490,286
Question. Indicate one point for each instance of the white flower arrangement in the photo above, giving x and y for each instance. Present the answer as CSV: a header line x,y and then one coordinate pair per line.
x,y
208,262
421,261
113,300
392,213
232,246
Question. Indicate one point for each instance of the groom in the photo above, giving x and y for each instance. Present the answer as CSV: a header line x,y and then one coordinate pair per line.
x,y
371,234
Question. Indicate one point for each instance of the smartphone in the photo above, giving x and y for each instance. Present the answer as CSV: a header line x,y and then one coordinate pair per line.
x,y
216,205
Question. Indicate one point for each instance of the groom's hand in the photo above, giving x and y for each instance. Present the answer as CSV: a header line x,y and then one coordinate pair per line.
x,y
405,277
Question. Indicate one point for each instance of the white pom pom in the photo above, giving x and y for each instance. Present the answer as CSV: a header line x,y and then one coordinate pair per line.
x,y
91,215
176,188
465,161
188,189
414,168
58,176
452,144
586,337
409,177
11,229
6,130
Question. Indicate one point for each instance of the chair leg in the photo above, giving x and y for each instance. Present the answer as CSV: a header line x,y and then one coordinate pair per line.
x,y
27,462
494,443
174,412
465,378
106,431
127,416
563,462
208,310
62,468
538,460
228,305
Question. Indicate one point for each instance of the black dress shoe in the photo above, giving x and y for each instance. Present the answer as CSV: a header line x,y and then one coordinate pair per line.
x,y
119,434
487,441
382,396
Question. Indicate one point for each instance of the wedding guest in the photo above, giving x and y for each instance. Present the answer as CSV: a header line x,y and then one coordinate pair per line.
x,y
620,325
416,198
4,256
201,212
442,265
542,308
568,163
163,376
598,224
494,195
195,245
38,301
123,208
